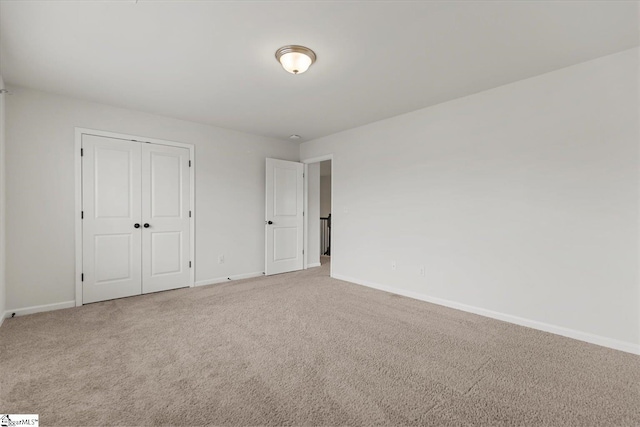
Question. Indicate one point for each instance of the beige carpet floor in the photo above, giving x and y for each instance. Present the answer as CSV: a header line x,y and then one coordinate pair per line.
x,y
303,349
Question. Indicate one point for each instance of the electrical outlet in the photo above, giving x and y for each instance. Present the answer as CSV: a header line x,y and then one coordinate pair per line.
x,y
423,271
394,267
220,259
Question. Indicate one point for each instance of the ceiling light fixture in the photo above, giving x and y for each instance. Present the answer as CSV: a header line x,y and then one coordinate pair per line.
x,y
295,59
294,136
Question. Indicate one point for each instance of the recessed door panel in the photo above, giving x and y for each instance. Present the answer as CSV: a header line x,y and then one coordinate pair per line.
x,y
284,216
113,260
113,169
165,217
166,185
166,252
285,243
285,191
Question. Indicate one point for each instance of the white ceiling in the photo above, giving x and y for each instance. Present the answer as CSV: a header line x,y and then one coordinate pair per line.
x,y
213,62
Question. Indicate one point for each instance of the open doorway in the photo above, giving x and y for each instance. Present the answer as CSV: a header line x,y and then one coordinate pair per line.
x,y
319,221
325,211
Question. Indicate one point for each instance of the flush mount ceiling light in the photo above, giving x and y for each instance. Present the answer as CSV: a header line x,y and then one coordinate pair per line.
x,y
294,136
295,59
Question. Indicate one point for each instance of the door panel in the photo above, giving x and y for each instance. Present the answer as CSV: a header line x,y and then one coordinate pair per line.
x,y
165,208
285,192
111,186
285,241
113,257
166,179
167,252
113,182
284,205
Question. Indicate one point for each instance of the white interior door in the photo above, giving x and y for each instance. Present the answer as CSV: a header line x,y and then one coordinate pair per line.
x,y
165,218
111,185
284,216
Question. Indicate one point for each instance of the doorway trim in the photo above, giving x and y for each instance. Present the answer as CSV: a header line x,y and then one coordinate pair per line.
x,y
78,196
307,162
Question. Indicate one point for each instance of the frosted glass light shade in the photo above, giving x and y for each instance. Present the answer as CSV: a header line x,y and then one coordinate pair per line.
x,y
295,62
295,59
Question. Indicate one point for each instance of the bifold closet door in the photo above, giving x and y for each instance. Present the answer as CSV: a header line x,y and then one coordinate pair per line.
x,y
165,217
111,193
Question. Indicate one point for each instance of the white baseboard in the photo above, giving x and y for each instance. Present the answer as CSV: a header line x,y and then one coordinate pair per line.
x,y
70,304
315,264
546,327
39,308
228,279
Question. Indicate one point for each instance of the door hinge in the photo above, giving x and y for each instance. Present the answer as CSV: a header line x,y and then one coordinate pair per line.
x,y
81,152
303,252
82,277
189,163
189,214
81,214
189,264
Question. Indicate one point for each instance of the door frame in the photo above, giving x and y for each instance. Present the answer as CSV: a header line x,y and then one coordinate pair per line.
x,y
78,196
307,162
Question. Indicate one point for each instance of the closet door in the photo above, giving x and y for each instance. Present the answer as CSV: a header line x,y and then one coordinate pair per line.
x,y
111,229
165,217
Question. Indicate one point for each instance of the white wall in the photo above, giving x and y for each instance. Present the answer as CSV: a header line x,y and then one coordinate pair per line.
x,y
3,305
313,214
520,201
230,174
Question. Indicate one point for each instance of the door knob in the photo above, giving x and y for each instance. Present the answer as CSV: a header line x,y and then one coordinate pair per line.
x,y
146,225
136,225
269,222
